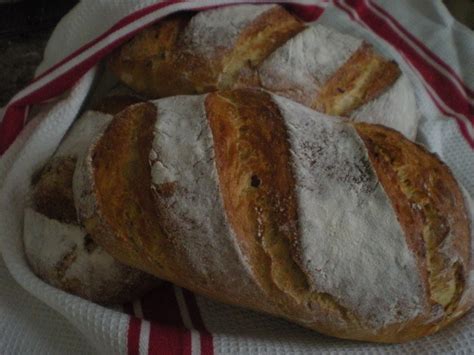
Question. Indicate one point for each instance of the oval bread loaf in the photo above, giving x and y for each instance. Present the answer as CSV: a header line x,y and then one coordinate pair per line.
x,y
57,247
255,200
265,46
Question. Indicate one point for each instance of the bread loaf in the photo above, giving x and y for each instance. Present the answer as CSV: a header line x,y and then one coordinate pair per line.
x,y
265,46
57,247
254,200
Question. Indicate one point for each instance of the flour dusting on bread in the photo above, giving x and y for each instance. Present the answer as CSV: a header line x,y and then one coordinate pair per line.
x,y
212,31
185,179
350,239
66,257
395,108
64,254
304,63
59,249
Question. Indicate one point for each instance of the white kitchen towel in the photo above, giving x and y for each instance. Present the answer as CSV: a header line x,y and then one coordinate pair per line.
x,y
431,48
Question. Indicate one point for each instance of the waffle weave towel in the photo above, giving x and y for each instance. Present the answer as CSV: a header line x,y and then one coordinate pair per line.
x,y
432,49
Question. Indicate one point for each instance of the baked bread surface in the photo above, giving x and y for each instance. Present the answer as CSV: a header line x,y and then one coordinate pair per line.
x,y
254,200
265,46
57,247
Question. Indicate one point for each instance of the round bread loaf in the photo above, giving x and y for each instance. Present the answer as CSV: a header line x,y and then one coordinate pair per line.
x,y
66,257
57,247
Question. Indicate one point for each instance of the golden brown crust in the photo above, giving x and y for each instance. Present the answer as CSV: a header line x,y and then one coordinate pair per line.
x,y
126,217
112,160
432,212
52,197
258,189
257,42
159,62
52,185
362,78
252,157
147,63
125,221
234,66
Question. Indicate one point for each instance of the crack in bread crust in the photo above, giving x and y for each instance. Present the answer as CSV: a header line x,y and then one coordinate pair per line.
x,y
163,59
431,210
256,46
257,185
147,63
57,247
362,78
125,223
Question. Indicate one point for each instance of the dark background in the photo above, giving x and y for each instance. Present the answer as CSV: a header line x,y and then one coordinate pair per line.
x,y
25,27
